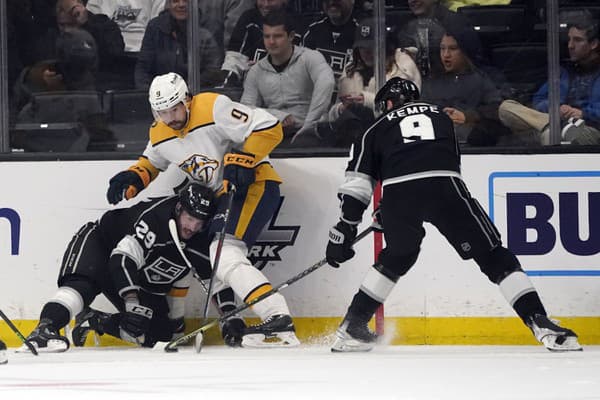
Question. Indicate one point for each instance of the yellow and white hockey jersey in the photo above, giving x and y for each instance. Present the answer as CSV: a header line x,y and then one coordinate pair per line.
x,y
216,125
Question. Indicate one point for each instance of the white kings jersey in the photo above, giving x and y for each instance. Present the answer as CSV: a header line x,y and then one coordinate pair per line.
x,y
216,125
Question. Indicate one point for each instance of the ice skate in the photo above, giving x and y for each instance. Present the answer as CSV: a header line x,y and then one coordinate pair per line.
x,y
353,336
554,337
3,356
45,339
86,321
275,331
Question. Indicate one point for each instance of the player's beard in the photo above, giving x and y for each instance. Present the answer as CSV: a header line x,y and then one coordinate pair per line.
x,y
177,125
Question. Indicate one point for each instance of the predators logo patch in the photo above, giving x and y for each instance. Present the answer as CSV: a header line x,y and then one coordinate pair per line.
x,y
200,168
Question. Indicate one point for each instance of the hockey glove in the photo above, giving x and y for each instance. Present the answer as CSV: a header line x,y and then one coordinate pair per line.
x,y
135,322
127,184
232,331
238,170
339,248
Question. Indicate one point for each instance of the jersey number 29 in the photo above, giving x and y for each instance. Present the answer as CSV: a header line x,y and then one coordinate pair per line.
x,y
143,232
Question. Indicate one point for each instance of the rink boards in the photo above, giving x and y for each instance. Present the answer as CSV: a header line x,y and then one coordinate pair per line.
x,y
547,208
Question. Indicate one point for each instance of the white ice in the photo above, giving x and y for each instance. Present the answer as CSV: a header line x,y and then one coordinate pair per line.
x,y
307,372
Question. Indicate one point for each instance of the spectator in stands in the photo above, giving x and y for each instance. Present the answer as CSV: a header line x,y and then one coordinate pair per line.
x,y
354,110
221,16
246,45
579,93
423,34
71,14
131,16
469,97
293,83
165,48
333,35
72,70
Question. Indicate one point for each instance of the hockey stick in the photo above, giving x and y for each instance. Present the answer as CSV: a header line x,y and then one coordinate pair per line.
x,y
172,345
175,236
18,333
230,193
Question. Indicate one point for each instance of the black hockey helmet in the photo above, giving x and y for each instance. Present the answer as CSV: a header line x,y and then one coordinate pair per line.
x,y
198,200
399,91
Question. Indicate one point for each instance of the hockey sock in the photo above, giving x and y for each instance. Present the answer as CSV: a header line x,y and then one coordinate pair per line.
x,y
362,307
57,314
528,305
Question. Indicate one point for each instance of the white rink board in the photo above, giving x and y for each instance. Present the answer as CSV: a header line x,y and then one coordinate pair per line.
x,y
53,199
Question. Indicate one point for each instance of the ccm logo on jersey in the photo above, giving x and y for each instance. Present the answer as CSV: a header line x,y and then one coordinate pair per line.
x,y
239,159
15,228
163,271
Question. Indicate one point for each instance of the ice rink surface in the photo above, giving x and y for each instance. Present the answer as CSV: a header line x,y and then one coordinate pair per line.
x,y
307,372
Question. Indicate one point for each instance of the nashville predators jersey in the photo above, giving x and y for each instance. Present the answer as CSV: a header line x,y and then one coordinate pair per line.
x,y
216,125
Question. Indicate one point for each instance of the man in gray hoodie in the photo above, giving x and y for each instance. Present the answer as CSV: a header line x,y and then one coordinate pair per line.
x,y
293,83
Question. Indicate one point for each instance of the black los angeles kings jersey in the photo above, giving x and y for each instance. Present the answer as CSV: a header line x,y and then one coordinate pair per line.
x,y
411,142
144,255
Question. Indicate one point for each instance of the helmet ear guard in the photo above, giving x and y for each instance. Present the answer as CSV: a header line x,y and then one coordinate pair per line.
x,y
397,90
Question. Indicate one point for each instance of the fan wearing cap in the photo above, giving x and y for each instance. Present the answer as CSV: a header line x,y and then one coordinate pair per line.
x,y
354,110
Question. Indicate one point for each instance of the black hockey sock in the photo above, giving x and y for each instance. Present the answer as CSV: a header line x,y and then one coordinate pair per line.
x,y
528,305
362,307
57,314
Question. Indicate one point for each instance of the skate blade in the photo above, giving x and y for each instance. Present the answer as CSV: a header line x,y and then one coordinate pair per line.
x,y
570,344
350,346
281,339
54,346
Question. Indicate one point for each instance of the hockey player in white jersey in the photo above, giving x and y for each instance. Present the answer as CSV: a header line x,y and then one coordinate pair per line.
x,y
219,142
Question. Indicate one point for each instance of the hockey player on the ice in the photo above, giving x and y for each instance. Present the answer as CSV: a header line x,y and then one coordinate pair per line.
x,y
130,256
412,150
219,142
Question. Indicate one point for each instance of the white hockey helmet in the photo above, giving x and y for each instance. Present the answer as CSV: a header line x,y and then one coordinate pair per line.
x,y
166,91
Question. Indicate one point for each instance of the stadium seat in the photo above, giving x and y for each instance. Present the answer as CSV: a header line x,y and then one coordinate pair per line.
x,y
524,65
51,137
129,117
497,24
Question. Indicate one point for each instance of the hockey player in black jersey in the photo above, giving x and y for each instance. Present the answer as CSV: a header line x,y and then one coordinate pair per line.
x,y
130,256
412,150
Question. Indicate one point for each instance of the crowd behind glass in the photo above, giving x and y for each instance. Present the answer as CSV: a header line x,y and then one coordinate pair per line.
x,y
78,71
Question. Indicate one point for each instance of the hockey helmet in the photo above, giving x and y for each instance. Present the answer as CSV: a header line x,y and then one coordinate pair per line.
x,y
198,200
166,91
399,91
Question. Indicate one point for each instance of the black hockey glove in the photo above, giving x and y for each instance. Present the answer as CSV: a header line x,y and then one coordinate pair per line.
x,y
135,322
126,184
238,170
339,248
232,331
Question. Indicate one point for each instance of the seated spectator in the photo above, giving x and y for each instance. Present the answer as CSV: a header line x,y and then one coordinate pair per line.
x,y
246,45
131,16
71,14
293,83
72,70
424,32
579,93
165,48
221,16
333,35
469,97
354,110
